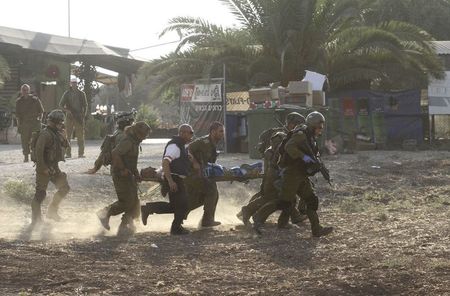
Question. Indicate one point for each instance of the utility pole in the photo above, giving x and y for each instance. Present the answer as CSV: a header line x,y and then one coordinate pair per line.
x,y
68,15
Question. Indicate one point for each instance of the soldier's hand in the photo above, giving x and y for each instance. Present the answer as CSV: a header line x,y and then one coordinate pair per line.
x,y
173,186
46,172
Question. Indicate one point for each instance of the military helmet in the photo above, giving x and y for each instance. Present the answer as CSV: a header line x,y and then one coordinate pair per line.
x,y
124,117
277,138
141,128
295,118
314,119
56,116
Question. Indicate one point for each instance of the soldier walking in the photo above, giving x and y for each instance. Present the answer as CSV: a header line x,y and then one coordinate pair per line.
x,y
125,176
204,151
74,103
49,150
29,115
176,166
299,157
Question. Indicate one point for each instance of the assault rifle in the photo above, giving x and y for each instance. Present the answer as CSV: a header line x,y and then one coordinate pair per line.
x,y
319,166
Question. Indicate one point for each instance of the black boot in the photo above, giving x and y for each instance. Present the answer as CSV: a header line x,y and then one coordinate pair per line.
x,y
316,229
178,230
25,158
244,216
145,212
36,215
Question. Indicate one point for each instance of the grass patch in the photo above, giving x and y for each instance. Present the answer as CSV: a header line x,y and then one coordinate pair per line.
x,y
18,190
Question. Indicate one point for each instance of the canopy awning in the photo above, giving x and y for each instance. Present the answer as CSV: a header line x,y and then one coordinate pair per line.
x,y
71,49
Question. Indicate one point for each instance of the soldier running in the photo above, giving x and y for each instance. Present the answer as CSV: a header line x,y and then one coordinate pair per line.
x,y
125,176
49,150
300,153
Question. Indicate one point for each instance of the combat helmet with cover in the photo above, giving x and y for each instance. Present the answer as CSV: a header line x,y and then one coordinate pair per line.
x,y
314,119
55,116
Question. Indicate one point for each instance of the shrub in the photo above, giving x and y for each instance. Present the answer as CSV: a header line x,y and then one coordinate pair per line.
x,y
148,114
93,129
18,190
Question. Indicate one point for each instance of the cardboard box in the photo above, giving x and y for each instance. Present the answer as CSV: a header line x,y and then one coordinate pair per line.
x,y
318,98
260,95
298,99
300,87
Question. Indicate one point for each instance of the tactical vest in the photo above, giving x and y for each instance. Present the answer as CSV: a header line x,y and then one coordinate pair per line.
x,y
181,165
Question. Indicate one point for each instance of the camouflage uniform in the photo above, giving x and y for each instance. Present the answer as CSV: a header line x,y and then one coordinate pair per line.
x,y
295,180
118,135
126,186
203,191
28,112
50,146
74,101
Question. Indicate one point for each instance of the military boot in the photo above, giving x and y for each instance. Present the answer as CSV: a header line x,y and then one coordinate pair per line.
x,y
103,215
244,216
126,228
145,212
52,212
283,220
25,158
316,229
36,215
177,229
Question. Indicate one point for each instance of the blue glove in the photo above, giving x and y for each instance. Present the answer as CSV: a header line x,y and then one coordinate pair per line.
x,y
308,159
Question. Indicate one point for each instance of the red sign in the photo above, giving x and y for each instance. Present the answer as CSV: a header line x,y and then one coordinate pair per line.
x,y
348,107
187,92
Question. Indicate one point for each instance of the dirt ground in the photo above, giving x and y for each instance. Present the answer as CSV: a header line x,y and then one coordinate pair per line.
x,y
390,210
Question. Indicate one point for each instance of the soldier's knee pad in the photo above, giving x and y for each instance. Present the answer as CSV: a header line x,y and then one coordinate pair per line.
x,y
284,205
40,195
313,203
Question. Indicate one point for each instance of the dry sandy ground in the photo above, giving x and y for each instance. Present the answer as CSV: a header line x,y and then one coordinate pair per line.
x,y
390,210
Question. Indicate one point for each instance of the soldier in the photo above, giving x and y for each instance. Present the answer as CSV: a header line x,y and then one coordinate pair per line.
x,y
271,175
74,103
203,151
49,150
125,177
124,119
300,154
29,115
176,167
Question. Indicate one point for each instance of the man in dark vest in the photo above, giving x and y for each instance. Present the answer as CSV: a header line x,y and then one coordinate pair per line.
x,y
176,167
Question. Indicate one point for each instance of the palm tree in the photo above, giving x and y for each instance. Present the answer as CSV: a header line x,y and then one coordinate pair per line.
x,y
4,70
279,39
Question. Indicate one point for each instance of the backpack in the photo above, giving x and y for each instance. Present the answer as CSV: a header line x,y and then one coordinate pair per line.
x,y
34,138
57,155
284,159
264,139
106,149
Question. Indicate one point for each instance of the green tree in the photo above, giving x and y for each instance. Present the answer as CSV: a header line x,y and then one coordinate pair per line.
x,y
4,70
279,39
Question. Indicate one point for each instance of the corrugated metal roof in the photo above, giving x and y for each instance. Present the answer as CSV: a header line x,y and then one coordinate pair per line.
x,y
113,58
442,47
